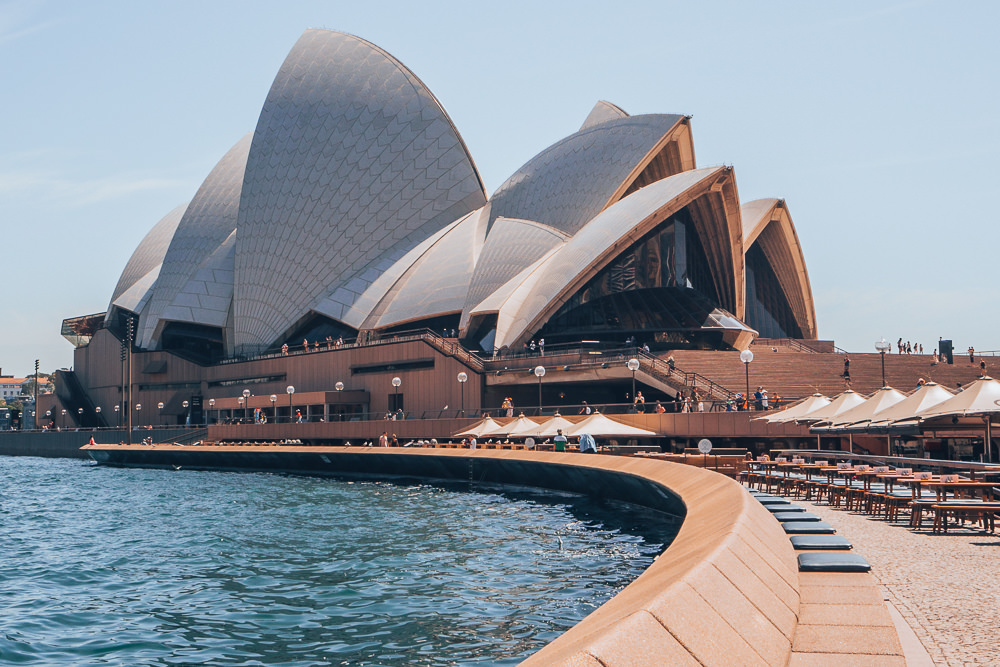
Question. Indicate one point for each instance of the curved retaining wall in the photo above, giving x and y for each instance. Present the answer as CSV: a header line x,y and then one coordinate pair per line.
x,y
724,592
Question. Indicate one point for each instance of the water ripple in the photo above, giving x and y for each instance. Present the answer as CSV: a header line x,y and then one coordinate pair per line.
x,y
100,566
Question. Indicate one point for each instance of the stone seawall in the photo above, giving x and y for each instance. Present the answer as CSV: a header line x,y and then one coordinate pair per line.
x,y
67,444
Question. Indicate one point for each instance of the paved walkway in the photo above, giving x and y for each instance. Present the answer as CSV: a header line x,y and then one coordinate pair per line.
x,y
946,587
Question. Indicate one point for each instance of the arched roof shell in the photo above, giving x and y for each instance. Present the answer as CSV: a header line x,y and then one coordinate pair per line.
x,y
599,242
207,297
603,111
149,254
767,223
353,164
435,283
511,246
576,178
209,220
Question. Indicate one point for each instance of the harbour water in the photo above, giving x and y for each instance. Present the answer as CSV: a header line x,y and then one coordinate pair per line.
x,y
150,567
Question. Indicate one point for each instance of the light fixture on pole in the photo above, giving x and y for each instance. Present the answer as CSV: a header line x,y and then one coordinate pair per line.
x,y
79,411
240,400
274,415
138,410
539,373
395,393
159,412
117,415
340,409
462,379
64,417
632,365
211,408
289,390
746,356
187,417
246,404
883,346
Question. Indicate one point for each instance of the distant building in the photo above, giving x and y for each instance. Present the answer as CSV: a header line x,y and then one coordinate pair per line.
x,y
10,387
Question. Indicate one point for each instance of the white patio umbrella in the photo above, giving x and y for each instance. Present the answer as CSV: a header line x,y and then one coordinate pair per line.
x,y
840,403
980,398
482,427
858,417
551,426
905,412
600,426
521,427
805,406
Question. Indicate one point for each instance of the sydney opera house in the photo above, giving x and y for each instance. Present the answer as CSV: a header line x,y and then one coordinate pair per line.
x,y
353,217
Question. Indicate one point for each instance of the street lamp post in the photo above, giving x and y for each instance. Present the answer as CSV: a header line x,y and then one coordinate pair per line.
x,y
185,404
79,411
138,410
395,392
240,399
246,405
211,408
539,373
462,379
274,414
746,356
289,390
97,410
633,365
64,417
883,346
340,408
159,413
118,416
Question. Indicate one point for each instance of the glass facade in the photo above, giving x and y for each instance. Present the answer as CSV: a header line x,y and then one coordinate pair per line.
x,y
767,306
659,290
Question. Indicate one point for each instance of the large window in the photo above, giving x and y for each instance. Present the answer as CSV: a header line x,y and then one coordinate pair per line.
x,y
767,307
659,290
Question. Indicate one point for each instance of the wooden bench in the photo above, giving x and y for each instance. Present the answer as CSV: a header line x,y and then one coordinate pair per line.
x,y
983,512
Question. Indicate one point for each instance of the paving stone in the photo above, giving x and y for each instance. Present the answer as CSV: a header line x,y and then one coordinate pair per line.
x,y
944,586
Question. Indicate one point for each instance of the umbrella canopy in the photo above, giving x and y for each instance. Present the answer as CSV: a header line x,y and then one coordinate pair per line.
x,y
978,398
521,427
839,404
858,417
805,406
924,398
601,426
480,428
550,427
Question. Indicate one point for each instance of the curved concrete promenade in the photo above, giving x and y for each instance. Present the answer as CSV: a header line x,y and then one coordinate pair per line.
x,y
725,592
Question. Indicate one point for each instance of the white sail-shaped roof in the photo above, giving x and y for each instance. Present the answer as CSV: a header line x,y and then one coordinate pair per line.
x,y
208,221
353,164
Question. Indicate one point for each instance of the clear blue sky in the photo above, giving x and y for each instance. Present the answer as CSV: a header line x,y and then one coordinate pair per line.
x,y
876,121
